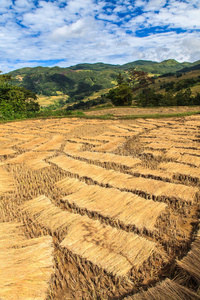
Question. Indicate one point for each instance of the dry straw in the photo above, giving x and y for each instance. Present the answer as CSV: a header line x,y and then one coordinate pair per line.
x,y
54,144
34,160
114,204
155,188
112,249
191,262
180,169
112,145
34,143
167,290
127,161
26,265
6,181
6,151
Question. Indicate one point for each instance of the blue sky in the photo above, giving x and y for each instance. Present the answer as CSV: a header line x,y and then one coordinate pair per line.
x,y
64,33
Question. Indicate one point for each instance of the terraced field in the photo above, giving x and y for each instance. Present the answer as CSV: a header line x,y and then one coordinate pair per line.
x,y
93,209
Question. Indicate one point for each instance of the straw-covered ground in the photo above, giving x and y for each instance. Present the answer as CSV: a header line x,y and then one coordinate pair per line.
x,y
100,209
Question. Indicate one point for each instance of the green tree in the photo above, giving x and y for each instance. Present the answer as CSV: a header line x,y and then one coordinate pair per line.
x,y
121,95
16,102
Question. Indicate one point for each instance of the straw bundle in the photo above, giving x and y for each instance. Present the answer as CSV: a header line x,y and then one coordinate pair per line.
x,y
34,160
6,151
153,153
148,187
70,185
112,145
72,148
98,138
158,145
191,262
50,217
190,160
111,203
163,144
4,139
109,248
21,136
84,141
145,125
154,174
6,182
167,290
187,151
54,144
26,265
32,144
127,161
180,169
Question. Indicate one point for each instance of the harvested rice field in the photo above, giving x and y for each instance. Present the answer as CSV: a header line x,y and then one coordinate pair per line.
x,y
100,209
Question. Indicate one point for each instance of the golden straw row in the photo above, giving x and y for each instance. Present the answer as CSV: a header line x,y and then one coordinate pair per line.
x,y
120,206
191,262
166,290
26,265
104,157
109,248
6,181
34,160
155,189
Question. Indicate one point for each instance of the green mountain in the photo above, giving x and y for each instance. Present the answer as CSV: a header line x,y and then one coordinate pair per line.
x,y
83,80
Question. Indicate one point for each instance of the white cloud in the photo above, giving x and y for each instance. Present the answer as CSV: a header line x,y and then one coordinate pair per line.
x,y
84,31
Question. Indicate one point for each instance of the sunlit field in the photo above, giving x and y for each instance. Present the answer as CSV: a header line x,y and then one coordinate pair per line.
x,y
100,209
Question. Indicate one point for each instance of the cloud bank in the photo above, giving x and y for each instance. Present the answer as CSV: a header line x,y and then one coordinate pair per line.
x,y
64,33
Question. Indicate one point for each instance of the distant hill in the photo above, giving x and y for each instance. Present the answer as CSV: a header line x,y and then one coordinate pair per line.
x,y
191,68
83,80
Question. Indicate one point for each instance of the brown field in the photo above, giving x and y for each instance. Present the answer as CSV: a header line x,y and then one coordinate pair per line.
x,y
142,111
100,209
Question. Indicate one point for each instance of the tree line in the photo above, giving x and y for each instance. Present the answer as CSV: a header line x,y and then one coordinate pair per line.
x,y
123,94
16,102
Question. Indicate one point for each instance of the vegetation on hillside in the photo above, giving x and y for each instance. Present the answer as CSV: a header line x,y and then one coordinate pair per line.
x,y
16,102
83,80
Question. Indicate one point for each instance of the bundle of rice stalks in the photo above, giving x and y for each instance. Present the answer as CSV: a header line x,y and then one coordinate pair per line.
x,y
155,189
26,265
48,216
191,262
98,138
84,141
6,151
112,145
34,143
72,148
21,136
145,125
148,173
127,161
187,151
153,153
6,182
34,160
54,144
188,159
112,249
163,144
129,209
181,170
70,185
4,139
167,290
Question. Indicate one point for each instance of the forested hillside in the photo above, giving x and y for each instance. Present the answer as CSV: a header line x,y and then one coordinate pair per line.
x,y
83,80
